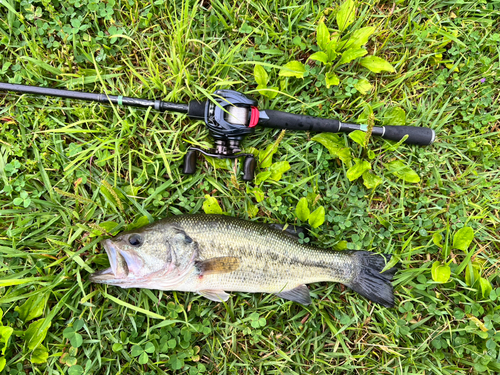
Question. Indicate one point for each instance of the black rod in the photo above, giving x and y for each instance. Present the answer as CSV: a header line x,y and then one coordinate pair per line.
x,y
100,98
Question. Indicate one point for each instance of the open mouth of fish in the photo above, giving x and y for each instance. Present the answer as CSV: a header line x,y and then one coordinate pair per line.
x,y
120,265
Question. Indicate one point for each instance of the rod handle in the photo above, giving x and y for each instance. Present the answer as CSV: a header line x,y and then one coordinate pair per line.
x,y
284,120
416,135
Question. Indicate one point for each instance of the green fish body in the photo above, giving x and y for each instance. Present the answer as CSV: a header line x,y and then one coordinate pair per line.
x,y
215,254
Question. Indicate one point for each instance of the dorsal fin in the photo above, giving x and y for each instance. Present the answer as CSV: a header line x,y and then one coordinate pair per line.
x,y
292,231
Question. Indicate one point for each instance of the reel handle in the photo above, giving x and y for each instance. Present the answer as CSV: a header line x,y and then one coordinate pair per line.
x,y
249,164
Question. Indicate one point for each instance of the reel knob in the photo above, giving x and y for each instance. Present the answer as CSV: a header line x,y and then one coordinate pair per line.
x,y
190,162
249,168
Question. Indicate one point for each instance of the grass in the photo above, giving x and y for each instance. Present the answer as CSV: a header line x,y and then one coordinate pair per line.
x,y
72,171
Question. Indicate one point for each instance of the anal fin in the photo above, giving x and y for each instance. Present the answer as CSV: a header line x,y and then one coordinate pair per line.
x,y
299,294
214,295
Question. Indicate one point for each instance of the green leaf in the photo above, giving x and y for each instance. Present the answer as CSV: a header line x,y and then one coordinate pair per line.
x,y
437,238
463,238
376,64
358,38
329,140
259,194
342,245
172,343
261,76
363,86
293,69
269,92
493,296
322,36
68,332
3,362
17,201
76,341
317,217
346,14
395,116
358,136
143,358
39,355
211,206
471,274
252,210
219,163
331,52
335,146
266,156
139,222
109,226
331,79
399,169
35,334
319,56
175,362
302,210
371,180
78,324
75,370
358,169
149,347
5,333
136,350
245,28
486,287
277,170
366,114
117,347
262,176
440,272
33,307
351,54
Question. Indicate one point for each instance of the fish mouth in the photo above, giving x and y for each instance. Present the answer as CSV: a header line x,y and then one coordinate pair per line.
x,y
118,270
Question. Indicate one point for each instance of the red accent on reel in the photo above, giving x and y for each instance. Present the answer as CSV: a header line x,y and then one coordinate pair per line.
x,y
254,117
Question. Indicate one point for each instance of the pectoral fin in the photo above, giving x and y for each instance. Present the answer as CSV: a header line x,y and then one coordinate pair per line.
x,y
299,294
218,265
214,295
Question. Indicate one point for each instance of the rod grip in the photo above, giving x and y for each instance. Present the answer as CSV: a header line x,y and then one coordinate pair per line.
x,y
416,135
290,121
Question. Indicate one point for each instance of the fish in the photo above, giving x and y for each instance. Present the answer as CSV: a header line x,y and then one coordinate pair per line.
x,y
213,254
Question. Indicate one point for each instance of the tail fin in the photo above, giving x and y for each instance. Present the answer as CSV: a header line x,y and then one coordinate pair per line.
x,y
369,282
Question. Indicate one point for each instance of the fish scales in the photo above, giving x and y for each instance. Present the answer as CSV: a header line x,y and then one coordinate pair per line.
x,y
214,254
271,261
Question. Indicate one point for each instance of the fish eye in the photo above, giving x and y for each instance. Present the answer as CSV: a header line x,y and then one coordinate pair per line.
x,y
135,240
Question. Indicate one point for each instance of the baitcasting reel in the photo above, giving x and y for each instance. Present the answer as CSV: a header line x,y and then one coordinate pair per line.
x,y
233,116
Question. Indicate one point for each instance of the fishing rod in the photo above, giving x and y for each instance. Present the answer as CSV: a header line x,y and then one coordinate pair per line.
x,y
231,116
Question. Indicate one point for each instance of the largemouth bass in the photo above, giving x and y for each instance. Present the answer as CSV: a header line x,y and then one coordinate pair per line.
x,y
215,254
